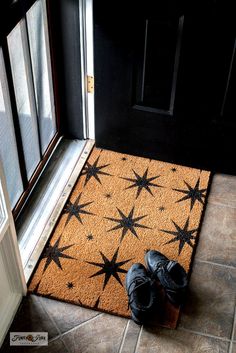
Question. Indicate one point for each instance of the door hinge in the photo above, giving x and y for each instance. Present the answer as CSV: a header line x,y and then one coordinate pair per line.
x,y
90,84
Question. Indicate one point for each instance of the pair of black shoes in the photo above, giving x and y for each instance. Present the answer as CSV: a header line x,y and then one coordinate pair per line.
x,y
141,285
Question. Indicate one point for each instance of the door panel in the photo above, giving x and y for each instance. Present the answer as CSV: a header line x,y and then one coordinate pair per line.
x,y
156,70
164,80
12,280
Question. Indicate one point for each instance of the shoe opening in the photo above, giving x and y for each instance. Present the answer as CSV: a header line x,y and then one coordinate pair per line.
x,y
178,275
142,295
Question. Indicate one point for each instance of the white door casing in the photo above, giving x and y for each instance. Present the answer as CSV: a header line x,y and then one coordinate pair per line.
x,y
12,280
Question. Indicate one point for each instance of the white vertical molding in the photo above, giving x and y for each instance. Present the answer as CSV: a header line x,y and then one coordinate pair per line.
x,y
82,41
90,65
9,299
13,284
9,243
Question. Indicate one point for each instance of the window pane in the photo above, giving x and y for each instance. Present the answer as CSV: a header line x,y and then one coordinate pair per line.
x,y
40,58
8,149
24,96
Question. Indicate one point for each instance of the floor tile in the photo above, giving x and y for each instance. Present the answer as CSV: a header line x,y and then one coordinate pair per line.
x,y
131,337
210,305
31,316
234,348
66,316
56,346
178,341
217,242
223,190
100,335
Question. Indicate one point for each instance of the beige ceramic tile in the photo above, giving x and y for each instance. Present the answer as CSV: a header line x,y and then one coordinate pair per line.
x,y
210,305
67,316
217,242
176,341
101,335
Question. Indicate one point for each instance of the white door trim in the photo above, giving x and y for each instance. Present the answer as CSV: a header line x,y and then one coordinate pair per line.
x,y
13,284
87,65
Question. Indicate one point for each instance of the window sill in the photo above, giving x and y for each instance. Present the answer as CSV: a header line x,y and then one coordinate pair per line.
x,y
48,198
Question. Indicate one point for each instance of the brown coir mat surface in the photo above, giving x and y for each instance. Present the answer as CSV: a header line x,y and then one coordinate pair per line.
x,y
120,207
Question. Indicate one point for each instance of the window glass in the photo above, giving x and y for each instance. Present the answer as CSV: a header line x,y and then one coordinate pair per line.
x,y
20,64
40,58
8,149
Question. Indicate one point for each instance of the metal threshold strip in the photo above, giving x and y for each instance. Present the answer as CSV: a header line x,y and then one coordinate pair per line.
x,y
37,221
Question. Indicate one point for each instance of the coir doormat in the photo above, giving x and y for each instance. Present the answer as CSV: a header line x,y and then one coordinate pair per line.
x,y
120,207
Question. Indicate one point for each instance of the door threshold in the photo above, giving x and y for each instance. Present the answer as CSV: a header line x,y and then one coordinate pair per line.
x,y
48,199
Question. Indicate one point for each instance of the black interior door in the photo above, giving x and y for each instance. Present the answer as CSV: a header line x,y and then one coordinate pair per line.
x,y
165,80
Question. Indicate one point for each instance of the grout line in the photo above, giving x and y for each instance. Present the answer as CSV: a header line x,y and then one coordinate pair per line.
x,y
123,337
65,346
74,328
204,334
50,318
215,263
52,340
233,332
53,322
138,339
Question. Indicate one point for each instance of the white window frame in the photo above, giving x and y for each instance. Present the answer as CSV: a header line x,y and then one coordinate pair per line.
x,y
87,65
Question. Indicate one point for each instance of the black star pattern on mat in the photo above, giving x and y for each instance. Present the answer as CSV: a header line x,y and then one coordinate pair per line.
x,y
124,159
173,170
142,182
75,209
194,194
183,235
93,170
90,236
127,223
70,285
108,195
96,303
109,268
53,253
161,208
36,288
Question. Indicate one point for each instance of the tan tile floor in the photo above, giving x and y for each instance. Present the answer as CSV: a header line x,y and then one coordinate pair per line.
x,y
208,321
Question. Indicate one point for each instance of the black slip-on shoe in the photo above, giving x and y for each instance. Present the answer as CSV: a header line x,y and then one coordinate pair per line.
x,y
142,294
170,274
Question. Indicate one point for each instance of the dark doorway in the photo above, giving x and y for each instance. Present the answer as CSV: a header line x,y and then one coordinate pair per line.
x,y
165,80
